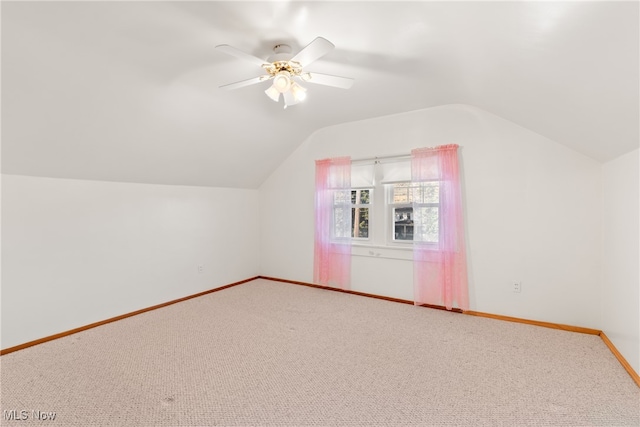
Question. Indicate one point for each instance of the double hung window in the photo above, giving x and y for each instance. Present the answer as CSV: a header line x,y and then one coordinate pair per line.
x,y
391,222
408,202
360,206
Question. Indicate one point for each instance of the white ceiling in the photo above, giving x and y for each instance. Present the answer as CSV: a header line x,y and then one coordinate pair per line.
x,y
128,91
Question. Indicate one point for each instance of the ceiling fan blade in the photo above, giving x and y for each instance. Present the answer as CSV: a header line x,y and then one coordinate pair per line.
x,y
314,50
230,50
247,82
328,80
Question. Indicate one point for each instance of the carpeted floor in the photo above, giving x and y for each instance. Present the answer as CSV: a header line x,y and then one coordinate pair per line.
x,y
266,353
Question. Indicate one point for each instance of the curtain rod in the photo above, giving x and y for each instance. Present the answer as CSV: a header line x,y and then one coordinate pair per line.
x,y
376,158
389,157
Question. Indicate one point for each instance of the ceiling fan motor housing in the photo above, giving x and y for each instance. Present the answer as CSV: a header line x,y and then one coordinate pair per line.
x,y
281,52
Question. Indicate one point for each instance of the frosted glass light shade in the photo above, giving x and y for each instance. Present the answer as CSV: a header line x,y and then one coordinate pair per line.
x,y
299,93
273,93
282,81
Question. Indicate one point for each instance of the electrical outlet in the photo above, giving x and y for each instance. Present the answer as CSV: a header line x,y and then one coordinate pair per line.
x,y
200,268
516,287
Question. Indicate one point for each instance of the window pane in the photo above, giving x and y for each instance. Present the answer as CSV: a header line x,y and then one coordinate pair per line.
x,y
401,193
360,197
365,197
427,220
340,197
360,223
403,224
426,192
340,228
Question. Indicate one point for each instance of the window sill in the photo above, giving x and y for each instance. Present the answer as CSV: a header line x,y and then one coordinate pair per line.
x,y
379,251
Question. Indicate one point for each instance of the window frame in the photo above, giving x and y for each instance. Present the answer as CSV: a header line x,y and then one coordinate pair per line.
x,y
390,213
369,206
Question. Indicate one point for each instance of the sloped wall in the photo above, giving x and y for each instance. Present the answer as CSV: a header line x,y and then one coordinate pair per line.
x,y
77,252
532,213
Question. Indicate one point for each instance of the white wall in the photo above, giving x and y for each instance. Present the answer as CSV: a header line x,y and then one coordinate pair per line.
x,y
531,210
77,252
620,295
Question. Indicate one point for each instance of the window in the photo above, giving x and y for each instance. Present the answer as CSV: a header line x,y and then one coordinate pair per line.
x,y
360,212
389,221
405,201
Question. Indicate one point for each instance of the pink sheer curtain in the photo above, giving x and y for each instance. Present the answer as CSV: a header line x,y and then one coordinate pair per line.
x,y
332,251
439,254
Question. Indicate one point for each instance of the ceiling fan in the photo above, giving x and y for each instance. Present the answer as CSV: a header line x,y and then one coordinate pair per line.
x,y
286,70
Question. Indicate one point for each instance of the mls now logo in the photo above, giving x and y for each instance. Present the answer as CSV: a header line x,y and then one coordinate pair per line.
x,y
23,415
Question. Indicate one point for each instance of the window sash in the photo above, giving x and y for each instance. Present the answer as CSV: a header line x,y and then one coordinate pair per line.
x,y
340,203
402,196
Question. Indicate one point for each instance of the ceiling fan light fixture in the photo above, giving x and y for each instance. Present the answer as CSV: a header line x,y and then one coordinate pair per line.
x,y
282,81
299,93
273,93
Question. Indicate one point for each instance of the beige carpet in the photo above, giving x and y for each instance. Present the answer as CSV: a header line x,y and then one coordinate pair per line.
x,y
269,353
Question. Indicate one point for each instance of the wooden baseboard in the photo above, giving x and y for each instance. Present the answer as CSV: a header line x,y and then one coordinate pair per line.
x,y
329,288
362,294
113,319
634,375
535,322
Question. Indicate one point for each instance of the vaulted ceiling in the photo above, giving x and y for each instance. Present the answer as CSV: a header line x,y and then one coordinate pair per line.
x,y
128,91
